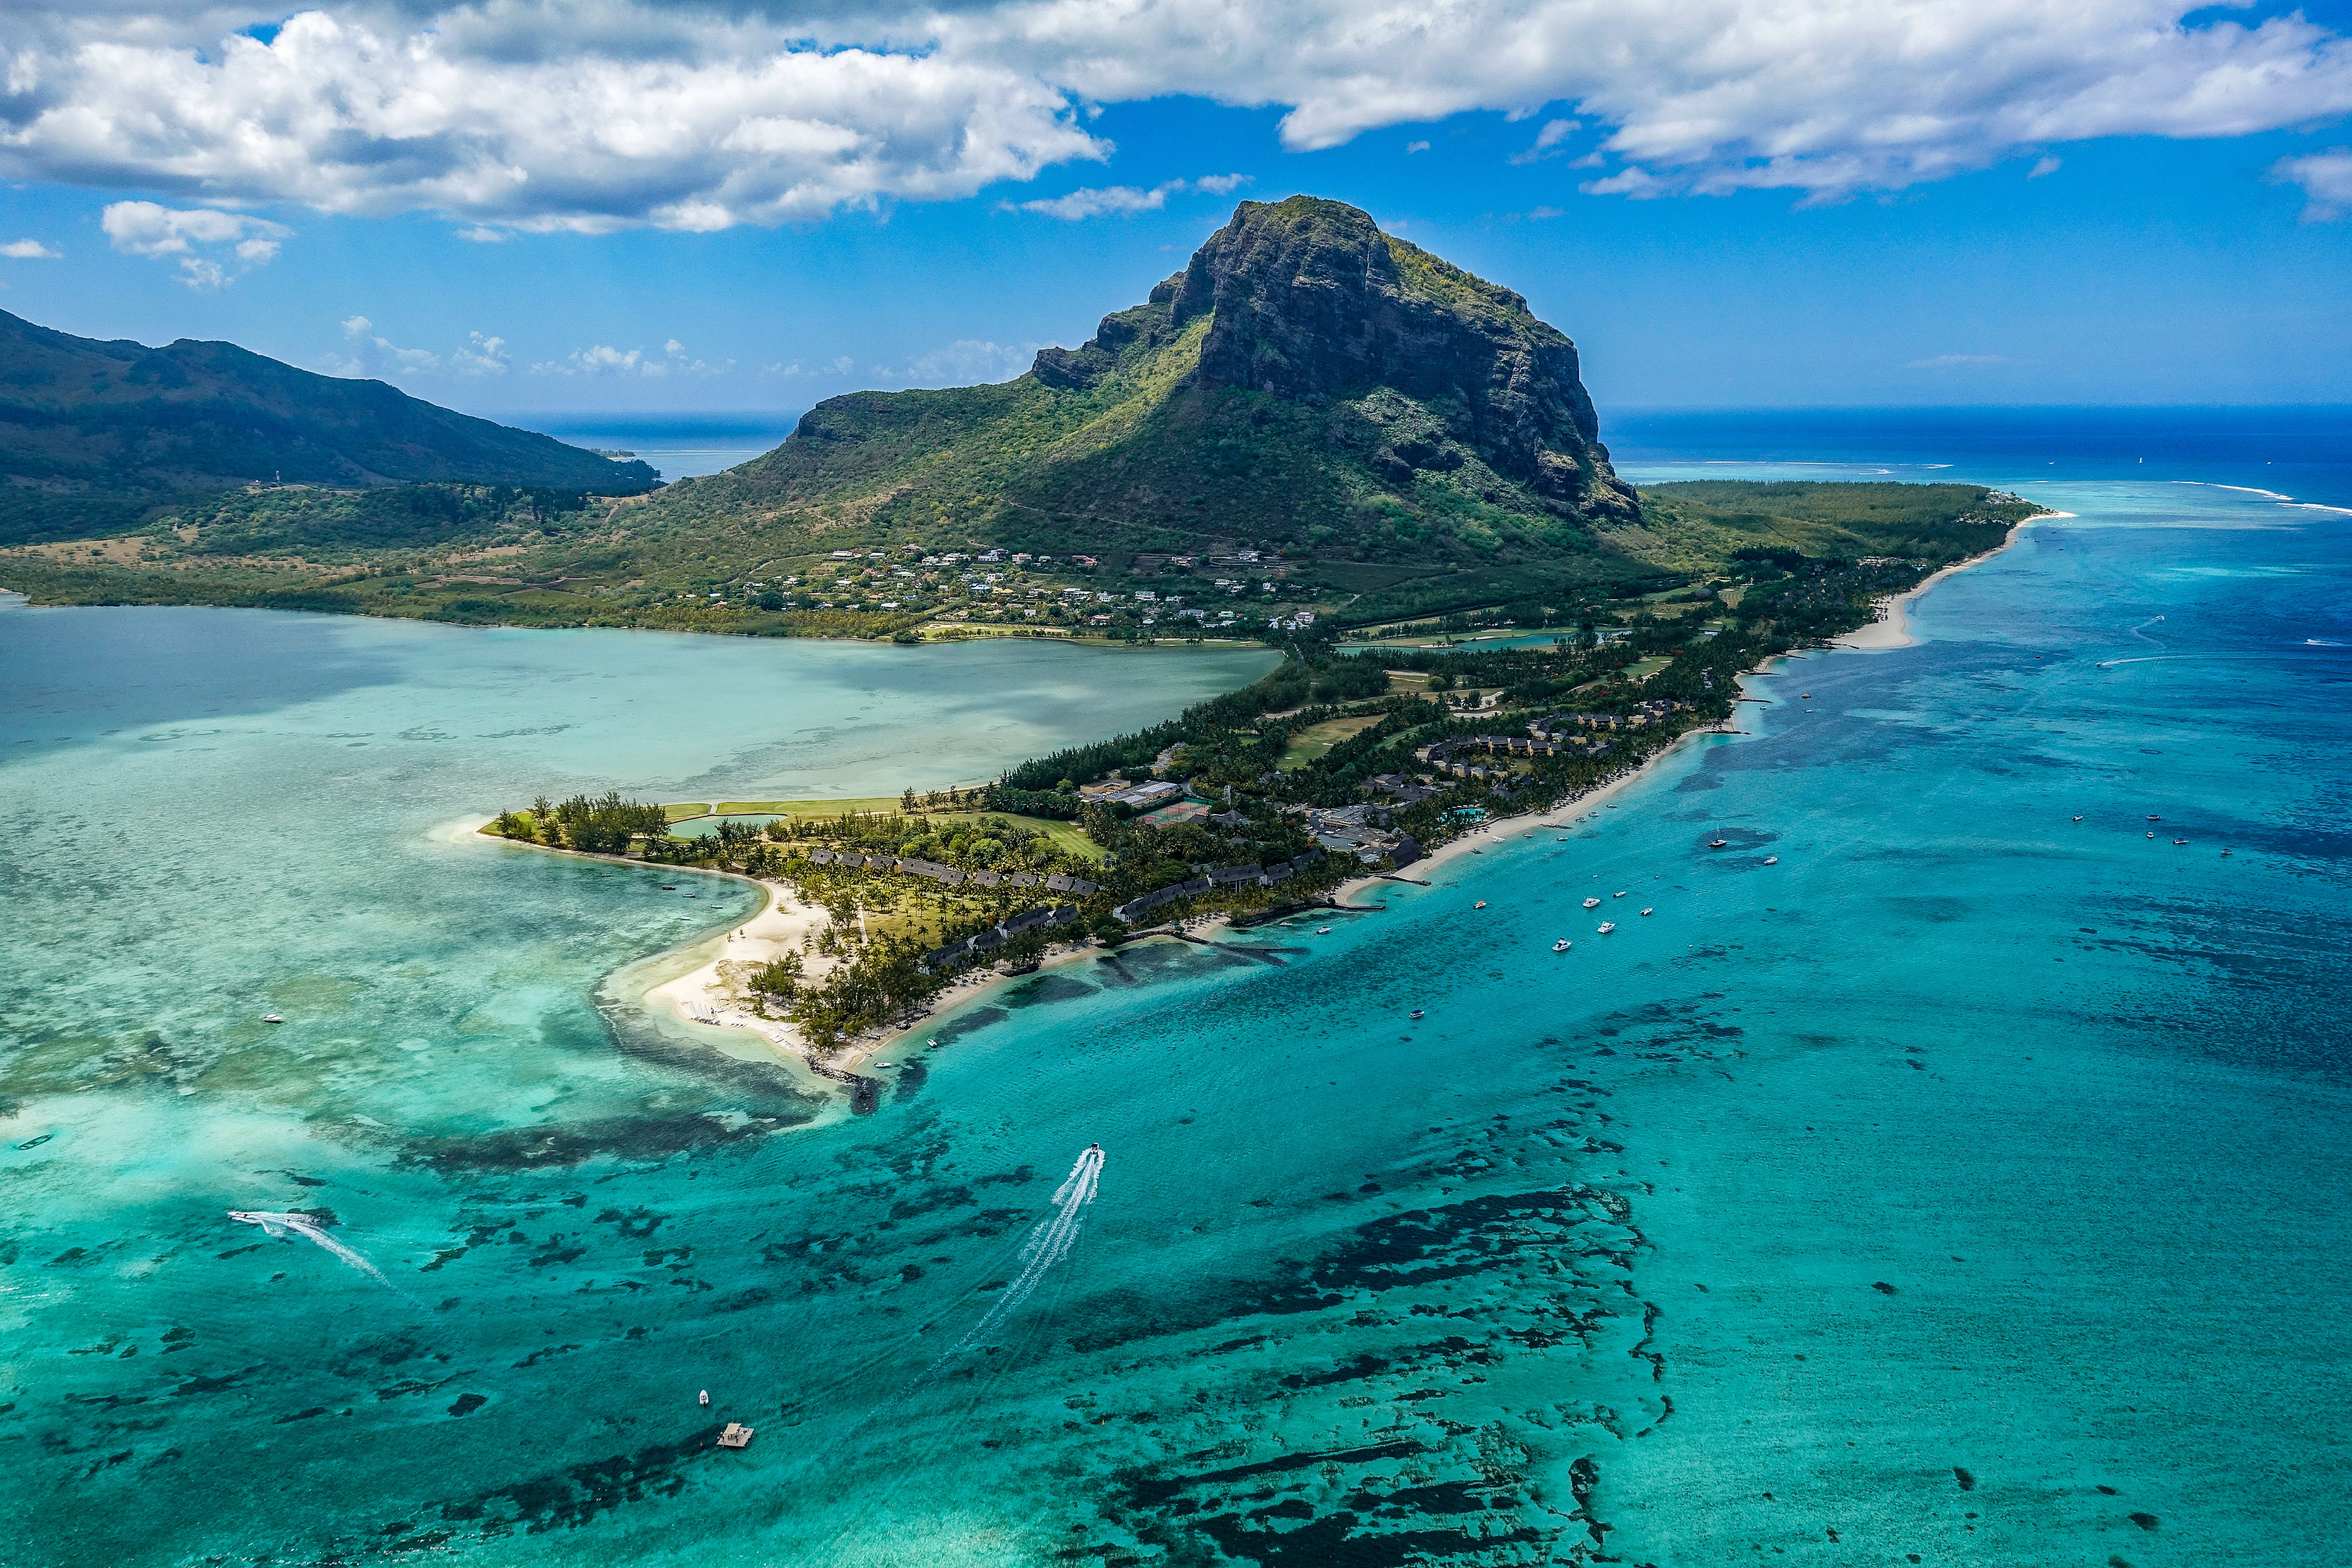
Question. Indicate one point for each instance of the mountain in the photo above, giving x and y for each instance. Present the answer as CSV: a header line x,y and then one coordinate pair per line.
x,y
1308,383
1314,424
94,433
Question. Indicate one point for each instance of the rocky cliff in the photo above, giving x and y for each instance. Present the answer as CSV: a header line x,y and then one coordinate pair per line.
x,y
1308,299
1307,384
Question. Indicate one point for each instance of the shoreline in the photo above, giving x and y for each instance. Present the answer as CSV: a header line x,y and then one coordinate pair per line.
x,y
1892,629
782,920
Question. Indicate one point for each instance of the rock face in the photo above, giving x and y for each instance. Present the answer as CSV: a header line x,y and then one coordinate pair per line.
x,y
1308,300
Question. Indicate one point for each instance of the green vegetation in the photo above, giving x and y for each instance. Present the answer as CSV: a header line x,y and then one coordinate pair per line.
x,y
1336,762
95,437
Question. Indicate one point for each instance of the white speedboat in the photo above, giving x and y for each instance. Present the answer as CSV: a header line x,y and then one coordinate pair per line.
x,y
1772,859
1608,926
1592,903
271,1018
1561,946
1322,930
1646,911
1619,894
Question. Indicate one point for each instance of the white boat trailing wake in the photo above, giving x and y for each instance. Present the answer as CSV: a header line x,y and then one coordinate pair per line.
x,y
1047,1245
302,1225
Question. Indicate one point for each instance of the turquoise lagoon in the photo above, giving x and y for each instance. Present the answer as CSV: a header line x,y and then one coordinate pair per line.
x,y
1965,1188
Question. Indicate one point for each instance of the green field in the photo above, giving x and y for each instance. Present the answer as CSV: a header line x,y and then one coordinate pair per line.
x,y
1316,740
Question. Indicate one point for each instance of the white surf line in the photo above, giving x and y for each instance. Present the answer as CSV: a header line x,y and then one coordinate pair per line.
x,y
302,1225
2274,653
2246,489
1047,1245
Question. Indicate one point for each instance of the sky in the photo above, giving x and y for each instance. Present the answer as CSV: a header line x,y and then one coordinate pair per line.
x,y
574,208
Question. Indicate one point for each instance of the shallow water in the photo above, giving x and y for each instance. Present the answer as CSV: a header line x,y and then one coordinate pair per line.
x,y
1964,1162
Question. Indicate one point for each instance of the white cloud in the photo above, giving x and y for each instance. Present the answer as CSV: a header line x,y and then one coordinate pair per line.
x,y
604,360
592,115
26,250
966,363
479,355
1124,201
1547,141
2044,167
1413,147
482,234
197,237
1961,362
2325,178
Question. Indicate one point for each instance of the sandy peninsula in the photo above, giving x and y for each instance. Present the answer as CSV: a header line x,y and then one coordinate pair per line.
x,y
1893,627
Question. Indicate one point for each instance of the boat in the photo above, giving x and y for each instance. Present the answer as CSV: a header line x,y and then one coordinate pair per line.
x,y
1646,911
1416,1013
1804,696
2151,833
705,1396
2180,841
1561,946
1322,930
2153,818
1772,859
1608,926
2225,854
271,1018
1619,894
1592,903
2078,819
1094,1147
737,1435
1718,843
1479,905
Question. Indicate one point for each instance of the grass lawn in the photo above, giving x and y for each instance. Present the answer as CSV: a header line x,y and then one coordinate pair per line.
x,y
689,808
1316,740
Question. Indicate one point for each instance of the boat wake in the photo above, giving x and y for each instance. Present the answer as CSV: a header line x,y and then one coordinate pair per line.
x,y
303,1225
1047,1245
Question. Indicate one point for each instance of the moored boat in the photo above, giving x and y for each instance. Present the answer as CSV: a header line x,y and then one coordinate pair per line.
x,y
1608,926
1561,946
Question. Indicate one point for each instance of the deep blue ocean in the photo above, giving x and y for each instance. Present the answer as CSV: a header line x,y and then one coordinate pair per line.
x,y
1950,1169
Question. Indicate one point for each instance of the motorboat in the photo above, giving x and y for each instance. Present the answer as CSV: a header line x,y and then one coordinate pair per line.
x,y
1772,859
705,1396
1718,843
1414,1013
2078,819
1094,1147
1479,905
2180,841
1322,930
1592,903
1561,946
271,1018
1646,911
1608,926
1619,894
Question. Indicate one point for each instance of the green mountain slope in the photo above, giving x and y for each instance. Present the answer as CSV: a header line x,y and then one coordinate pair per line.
x,y
93,433
1313,427
1308,383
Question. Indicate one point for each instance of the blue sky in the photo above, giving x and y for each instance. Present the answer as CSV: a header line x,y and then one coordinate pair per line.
x,y
2159,257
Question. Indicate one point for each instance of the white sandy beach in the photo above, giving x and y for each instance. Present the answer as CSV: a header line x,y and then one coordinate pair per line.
x,y
1893,627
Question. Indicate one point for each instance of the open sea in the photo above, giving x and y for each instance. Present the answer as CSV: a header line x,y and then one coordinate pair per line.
x,y
1950,1169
